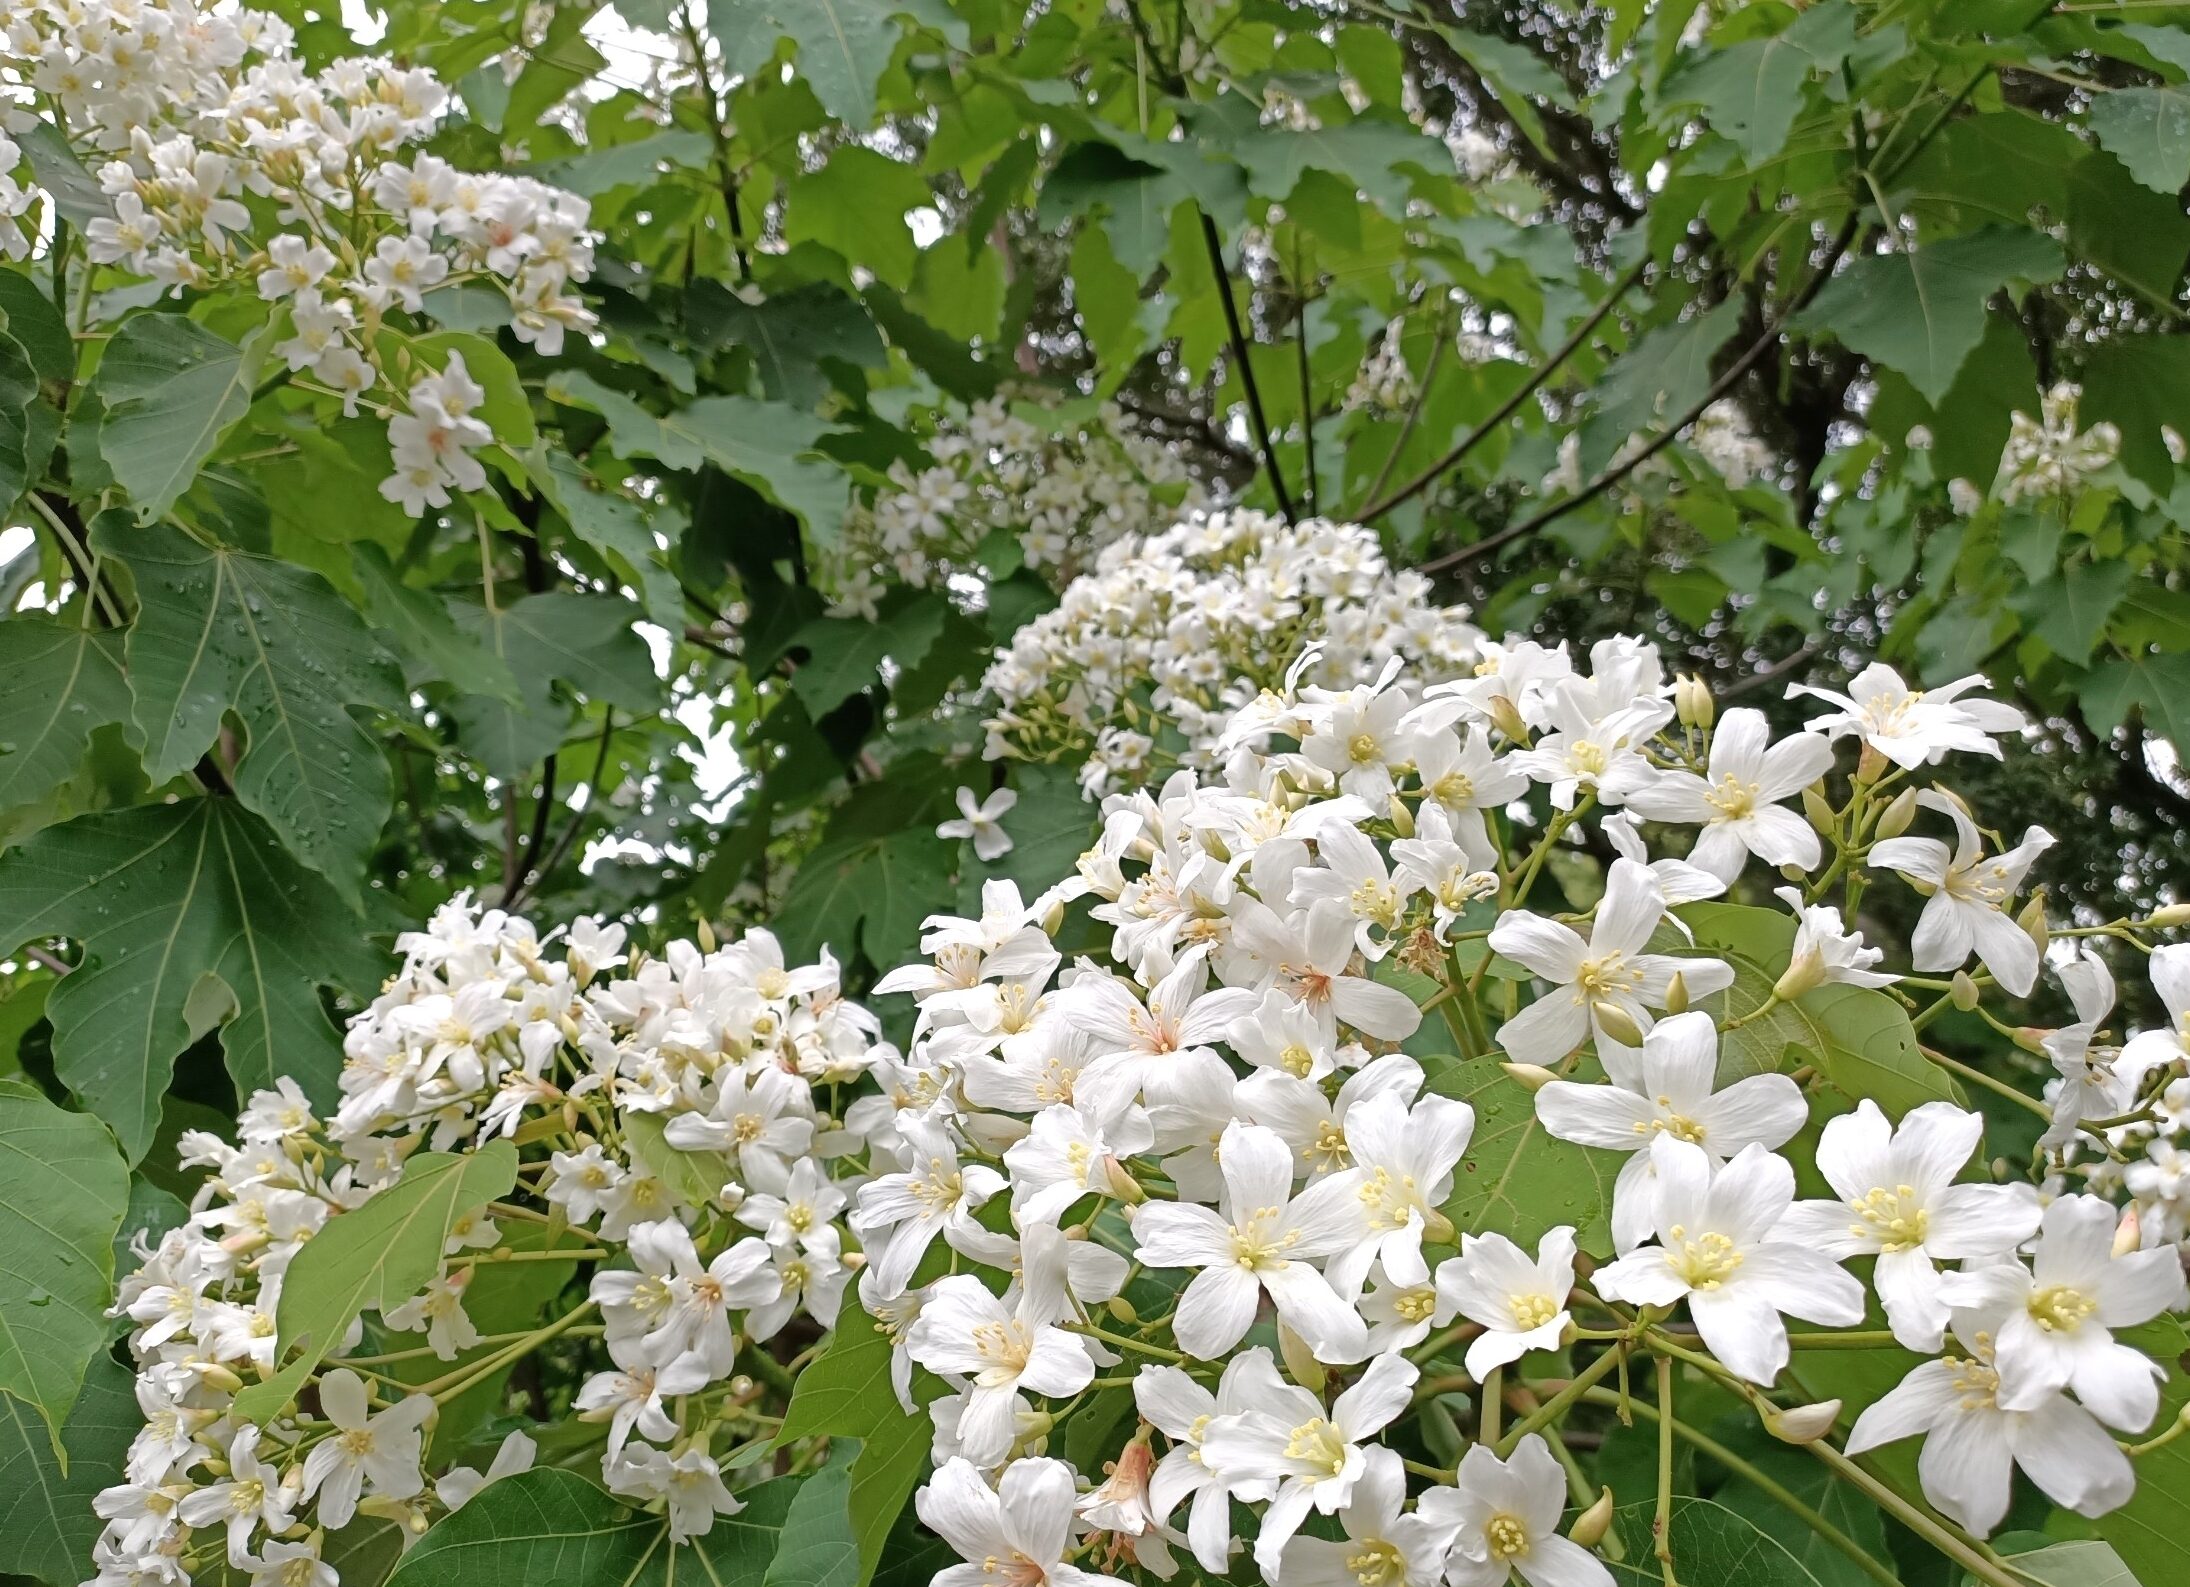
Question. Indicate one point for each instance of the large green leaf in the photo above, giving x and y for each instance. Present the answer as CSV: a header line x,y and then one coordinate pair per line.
x,y
171,903
769,445
18,391
374,1258
63,1190
168,389
1371,155
872,888
2151,1532
843,45
1922,309
855,206
553,1528
2139,384
1751,92
59,683
1710,1543
219,630
844,654
47,1525
819,1547
2148,130
846,1393
1516,1178
583,641
418,623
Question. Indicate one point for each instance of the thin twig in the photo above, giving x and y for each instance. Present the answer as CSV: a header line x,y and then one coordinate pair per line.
x,y
1307,390
1506,409
577,818
1214,246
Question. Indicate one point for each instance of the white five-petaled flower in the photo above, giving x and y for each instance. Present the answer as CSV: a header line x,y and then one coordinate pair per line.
x,y
1717,1249
253,1495
1262,1238
1383,1547
1899,1203
1504,1515
1738,803
1669,1088
1003,1348
1969,896
1911,727
1825,951
1608,966
1014,1535
1972,1444
1169,1399
1315,1458
1519,1300
2151,1049
382,1450
2052,1324
1404,1156
899,1215
1308,956
982,821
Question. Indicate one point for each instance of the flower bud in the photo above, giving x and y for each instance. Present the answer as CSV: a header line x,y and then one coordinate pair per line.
x,y
1053,919
1805,1424
1898,814
1805,974
1870,765
1121,1310
1300,1360
1506,717
1818,808
2128,1234
1591,1525
1616,1023
2168,916
1676,994
1437,1229
2033,920
1963,991
1531,1076
1122,1184
705,932
1402,818
1692,701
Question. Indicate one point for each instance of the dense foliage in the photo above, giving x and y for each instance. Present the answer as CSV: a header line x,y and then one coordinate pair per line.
x,y
778,466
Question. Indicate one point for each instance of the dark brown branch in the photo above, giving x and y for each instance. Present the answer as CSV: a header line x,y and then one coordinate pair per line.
x,y
1236,334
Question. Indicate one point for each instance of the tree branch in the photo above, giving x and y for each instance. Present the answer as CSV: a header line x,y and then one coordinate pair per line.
x,y
1214,246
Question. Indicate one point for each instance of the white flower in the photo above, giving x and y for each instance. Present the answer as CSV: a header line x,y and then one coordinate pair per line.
x,y
2152,1049
906,1211
1170,1400
1521,1302
440,1311
1669,1088
1912,727
1737,803
1013,1536
981,820
631,1399
1608,966
1308,956
1969,896
2051,1324
1972,1445
1284,1436
1003,1350
382,1450
253,1495
1899,1203
1404,1158
460,1484
1065,1154
1382,1547
1717,1250
1825,952
1504,1515
1262,1239
2099,1081
291,1565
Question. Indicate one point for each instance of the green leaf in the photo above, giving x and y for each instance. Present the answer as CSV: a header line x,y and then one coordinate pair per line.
x,y
75,191
1751,92
1516,1179
63,1190
1710,1543
18,394
769,445
620,529
844,654
164,898
584,641
168,389
793,338
1811,1482
2148,130
219,629
846,1393
2139,384
548,1527
1658,379
843,45
374,1258
695,1178
1921,311
2069,610
59,683
1368,153
855,207
47,1525
632,164
418,623
2082,1562
819,1547
1051,826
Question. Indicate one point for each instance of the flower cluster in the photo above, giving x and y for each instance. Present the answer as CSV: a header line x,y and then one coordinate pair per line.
x,y
1050,494
1147,657
1215,1175
674,1143
224,161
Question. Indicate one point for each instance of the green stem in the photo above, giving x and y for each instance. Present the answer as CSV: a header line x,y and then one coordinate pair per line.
x,y
1661,1523
1552,1409
1977,1077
